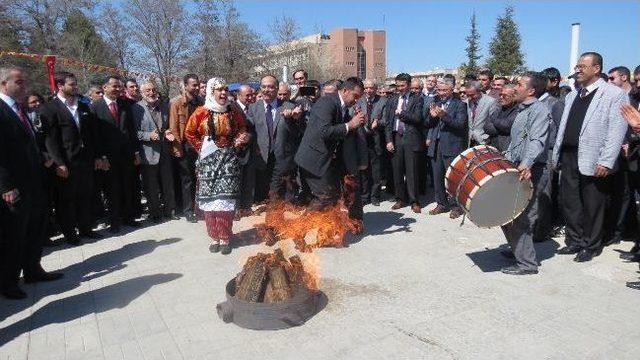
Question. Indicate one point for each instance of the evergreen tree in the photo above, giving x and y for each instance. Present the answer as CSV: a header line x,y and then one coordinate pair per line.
x,y
505,56
473,48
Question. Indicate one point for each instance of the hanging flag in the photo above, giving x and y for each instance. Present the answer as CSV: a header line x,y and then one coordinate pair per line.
x,y
50,63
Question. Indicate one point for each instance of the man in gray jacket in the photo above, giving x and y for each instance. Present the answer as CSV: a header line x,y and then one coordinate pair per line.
x,y
589,139
527,150
481,107
151,116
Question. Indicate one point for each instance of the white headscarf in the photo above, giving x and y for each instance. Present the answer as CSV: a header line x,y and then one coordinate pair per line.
x,y
210,102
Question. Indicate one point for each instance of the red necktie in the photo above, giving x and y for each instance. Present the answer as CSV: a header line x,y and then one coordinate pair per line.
x,y
113,107
25,122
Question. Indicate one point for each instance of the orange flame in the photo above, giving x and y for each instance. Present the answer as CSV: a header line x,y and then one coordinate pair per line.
x,y
286,221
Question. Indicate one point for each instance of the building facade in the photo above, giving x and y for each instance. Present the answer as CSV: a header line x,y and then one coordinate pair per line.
x,y
341,53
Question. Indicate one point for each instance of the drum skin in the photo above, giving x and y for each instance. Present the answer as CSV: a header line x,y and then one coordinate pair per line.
x,y
487,187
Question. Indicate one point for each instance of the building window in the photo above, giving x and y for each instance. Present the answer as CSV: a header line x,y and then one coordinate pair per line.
x,y
379,50
350,63
349,48
362,63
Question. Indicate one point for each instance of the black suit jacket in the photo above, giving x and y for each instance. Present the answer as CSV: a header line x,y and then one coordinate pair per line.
x,y
65,142
412,119
324,133
115,141
20,159
453,130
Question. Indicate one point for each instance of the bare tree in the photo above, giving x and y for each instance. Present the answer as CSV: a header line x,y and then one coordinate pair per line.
x,y
162,32
284,30
118,36
226,46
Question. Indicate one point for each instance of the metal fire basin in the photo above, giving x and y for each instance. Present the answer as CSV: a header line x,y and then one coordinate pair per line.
x,y
302,306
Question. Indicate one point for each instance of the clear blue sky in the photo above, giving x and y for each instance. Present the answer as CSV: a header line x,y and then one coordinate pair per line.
x,y
422,35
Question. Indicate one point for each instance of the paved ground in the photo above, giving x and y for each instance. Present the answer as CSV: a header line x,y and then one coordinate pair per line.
x,y
415,287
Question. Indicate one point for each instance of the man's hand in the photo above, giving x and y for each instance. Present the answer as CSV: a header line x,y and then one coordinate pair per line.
x,y
525,172
154,135
362,167
428,142
106,165
625,150
286,113
297,112
632,116
62,171
601,171
356,121
168,134
136,160
374,124
390,147
11,196
48,163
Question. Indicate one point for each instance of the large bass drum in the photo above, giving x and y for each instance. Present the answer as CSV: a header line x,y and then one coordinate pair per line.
x,y
487,186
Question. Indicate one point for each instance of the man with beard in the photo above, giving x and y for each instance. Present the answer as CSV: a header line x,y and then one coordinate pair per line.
x,y
151,115
71,141
181,108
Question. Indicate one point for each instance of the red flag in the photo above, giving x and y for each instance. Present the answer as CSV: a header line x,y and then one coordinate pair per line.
x,y
50,63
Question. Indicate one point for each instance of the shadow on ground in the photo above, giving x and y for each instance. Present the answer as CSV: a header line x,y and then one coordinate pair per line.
x,y
58,311
490,260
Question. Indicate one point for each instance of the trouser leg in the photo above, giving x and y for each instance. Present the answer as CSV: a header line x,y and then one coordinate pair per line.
x,y
571,198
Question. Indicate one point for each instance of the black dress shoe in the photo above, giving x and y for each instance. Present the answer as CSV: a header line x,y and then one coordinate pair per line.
x,y
635,248
214,248
13,292
584,255
375,202
516,270
91,234
507,254
568,250
635,285
191,218
630,257
114,229
225,249
156,219
42,277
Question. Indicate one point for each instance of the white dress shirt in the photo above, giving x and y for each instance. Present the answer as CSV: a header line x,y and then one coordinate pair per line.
x,y
72,106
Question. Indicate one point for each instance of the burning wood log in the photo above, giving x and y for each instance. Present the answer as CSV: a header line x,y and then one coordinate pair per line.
x,y
271,278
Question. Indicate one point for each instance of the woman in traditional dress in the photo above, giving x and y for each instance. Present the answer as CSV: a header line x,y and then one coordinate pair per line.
x,y
218,133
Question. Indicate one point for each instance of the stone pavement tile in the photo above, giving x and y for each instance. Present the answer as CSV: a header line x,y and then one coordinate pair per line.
x,y
129,350
198,341
147,322
160,346
49,345
17,349
82,338
116,329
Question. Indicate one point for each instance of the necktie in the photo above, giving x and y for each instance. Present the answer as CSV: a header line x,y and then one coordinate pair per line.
x,y
23,119
403,107
474,106
269,120
583,93
113,108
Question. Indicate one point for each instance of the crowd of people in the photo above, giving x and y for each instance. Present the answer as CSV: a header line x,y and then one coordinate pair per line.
x,y
72,161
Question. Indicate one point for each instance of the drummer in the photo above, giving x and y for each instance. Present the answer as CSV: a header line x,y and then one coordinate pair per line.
x,y
526,150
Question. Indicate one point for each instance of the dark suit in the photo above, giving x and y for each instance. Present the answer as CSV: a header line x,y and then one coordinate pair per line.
x,y
449,139
327,151
287,139
408,145
72,146
371,178
119,143
23,224
247,161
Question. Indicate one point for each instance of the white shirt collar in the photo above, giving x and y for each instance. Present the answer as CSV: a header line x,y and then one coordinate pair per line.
x,y
109,101
591,88
242,106
342,104
73,103
7,99
274,104
543,96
